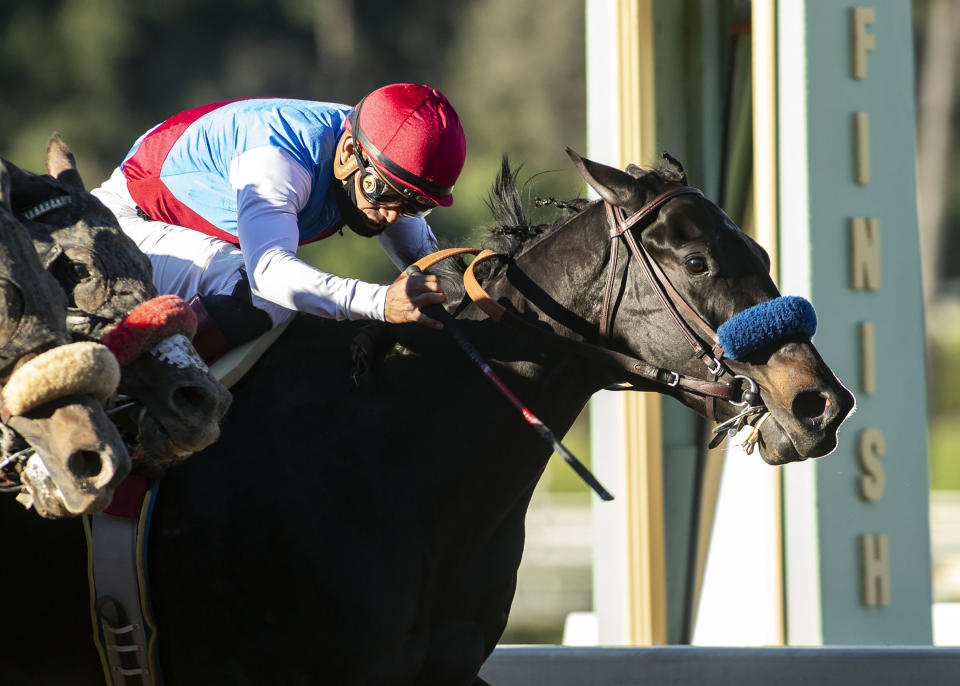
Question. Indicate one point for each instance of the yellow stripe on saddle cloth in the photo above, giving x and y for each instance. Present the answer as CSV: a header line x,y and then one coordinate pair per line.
x,y
123,628
124,631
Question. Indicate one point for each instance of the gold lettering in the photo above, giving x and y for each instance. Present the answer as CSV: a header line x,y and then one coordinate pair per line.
x,y
863,42
873,480
864,253
861,147
875,570
868,358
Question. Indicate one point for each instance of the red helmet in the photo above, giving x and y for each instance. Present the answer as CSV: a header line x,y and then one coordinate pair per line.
x,y
412,134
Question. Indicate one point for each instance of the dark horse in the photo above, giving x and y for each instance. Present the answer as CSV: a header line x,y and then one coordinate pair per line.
x,y
343,533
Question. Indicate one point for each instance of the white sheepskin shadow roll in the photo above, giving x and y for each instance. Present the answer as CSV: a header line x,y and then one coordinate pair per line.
x,y
84,368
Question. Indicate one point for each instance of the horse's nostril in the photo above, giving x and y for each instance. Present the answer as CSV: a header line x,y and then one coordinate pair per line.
x,y
85,464
810,405
191,400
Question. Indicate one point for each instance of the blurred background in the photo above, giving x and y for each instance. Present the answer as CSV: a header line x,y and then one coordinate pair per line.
x,y
101,72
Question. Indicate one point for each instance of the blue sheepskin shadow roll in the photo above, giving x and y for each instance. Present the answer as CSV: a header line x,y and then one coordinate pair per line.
x,y
766,324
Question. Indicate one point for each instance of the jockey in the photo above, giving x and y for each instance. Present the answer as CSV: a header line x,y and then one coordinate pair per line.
x,y
220,196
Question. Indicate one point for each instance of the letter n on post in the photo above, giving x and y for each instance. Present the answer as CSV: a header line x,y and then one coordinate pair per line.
x,y
864,253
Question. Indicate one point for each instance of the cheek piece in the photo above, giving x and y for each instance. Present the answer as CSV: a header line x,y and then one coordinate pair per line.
x,y
766,324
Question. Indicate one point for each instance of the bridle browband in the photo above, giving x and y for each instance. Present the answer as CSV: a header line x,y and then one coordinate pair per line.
x,y
46,206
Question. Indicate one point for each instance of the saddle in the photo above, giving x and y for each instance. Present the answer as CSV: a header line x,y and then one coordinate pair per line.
x,y
227,321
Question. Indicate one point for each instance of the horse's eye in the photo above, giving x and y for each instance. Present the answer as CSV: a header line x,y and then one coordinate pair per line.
x,y
80,271
695,265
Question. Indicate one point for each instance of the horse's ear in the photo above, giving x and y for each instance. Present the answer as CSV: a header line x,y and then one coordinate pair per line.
x,y
615,186
61,164
5,187
676,172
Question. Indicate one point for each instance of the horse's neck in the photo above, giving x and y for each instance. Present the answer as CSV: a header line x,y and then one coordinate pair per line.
x,y
561,277
558,281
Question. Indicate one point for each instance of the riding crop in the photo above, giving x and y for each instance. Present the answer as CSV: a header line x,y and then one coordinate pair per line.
x,y
450,324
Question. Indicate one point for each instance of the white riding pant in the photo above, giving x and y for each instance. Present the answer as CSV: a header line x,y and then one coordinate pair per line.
x,y
185,262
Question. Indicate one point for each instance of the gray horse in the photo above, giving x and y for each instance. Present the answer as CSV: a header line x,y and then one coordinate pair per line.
x,y
58,449
169,404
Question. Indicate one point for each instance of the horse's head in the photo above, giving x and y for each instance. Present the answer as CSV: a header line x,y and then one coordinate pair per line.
x,y
78,240
73,456
709,271
108,280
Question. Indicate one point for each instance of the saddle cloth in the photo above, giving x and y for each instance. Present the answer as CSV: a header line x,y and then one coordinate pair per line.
x,y
123,627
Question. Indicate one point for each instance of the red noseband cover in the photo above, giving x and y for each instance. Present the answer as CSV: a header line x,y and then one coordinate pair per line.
x,y
148,324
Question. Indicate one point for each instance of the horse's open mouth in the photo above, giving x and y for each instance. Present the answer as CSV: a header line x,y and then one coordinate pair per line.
x,y
775,446
41,492
160,446
810,431
144,434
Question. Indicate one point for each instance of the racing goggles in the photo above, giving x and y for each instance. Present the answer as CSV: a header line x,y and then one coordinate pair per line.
x,y
380,191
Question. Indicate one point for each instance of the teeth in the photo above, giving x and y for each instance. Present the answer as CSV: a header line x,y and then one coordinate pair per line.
x,y
38,479
178,351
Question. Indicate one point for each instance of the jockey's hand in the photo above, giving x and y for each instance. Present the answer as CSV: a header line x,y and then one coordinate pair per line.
x,y
408,294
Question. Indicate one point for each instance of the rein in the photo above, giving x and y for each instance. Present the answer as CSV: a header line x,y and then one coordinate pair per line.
x,y
633,366
693,327
685,317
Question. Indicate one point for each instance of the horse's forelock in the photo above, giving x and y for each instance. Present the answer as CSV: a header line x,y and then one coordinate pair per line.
x,y
512,231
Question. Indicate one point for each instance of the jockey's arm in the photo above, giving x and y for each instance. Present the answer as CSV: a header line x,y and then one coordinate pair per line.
x,y
271,189
407,240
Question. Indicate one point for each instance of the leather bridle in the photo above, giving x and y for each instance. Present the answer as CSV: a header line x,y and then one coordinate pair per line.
x,y
746,401
690,324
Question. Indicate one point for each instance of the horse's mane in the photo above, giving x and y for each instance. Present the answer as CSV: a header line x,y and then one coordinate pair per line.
x,y
512,231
